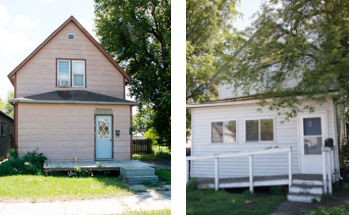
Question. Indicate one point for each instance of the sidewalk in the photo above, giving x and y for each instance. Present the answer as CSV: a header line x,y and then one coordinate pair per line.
x,y
151,200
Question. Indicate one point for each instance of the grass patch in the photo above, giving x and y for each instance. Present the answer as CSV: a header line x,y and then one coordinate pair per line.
x,y
156,212
164,174
35,188
325,211
222,202
155,156
151,184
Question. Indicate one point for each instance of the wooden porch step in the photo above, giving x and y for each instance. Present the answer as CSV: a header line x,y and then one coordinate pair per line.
x,y
137,171
306,189
141,179
305,198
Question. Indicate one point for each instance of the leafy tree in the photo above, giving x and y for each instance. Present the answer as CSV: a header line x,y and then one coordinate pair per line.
x,y
209,34
152,134
303,40
6,106
143,120
137,33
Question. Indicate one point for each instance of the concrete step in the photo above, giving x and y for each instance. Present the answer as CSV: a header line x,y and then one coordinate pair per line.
x,y
137,171
303,197
307,182
310,189
141,179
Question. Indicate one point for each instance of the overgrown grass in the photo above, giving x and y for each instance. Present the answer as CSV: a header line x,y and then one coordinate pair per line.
x,y
326,211
157,149
164,174
156,212
222,202
40,188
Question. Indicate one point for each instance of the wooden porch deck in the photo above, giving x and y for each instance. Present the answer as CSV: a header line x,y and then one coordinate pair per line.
x,y
258,181
50,166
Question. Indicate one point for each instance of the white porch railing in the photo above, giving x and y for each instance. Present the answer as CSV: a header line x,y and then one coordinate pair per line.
x,y
327,159
244,153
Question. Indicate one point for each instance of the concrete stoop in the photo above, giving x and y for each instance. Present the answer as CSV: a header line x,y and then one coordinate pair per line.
x,y
138,175
305,190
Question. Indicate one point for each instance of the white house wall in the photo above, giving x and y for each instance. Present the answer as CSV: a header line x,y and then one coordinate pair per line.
x,y
286,135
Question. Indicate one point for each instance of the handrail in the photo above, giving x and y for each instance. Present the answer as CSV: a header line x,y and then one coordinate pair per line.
x,y
243,153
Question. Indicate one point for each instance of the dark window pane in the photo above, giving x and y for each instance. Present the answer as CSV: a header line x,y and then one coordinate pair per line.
x,y
312,145
252,130
312,126
267,129
230,131
217,131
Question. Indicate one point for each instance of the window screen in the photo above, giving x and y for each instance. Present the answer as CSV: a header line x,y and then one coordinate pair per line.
x,y
252,130
79,73
63,73
267,129
312,126
217,131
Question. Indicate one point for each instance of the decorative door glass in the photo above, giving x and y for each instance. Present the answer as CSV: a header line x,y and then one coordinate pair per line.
x,y
103,128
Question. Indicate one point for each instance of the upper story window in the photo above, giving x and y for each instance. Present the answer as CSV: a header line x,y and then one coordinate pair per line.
x,y
224,131
71,36
2,129
268,78
71,73
259,130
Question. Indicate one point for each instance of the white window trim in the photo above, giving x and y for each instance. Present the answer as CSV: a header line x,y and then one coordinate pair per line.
x,y
259,130
58,80
84,75
71,34
237,131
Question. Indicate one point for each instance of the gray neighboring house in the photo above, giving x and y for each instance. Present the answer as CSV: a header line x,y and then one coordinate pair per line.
x,y
6,134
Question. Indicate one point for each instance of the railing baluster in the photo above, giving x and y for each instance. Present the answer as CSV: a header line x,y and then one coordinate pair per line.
x,y
188,172
329,172
290,168
251,173
324,170
216,176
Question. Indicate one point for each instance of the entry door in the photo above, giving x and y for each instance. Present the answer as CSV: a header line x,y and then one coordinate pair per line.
x,y
313,132
104,137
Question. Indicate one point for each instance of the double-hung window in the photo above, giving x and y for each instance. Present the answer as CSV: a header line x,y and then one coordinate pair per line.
x,y
63,73
78,73
2,129
71,73
260,130
223,131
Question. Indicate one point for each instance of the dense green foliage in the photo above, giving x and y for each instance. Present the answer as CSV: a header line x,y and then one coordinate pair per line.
x,y
156,156
31,163
209,34
222,202
302,40
5,106
164,174
137,33
152,134
142,121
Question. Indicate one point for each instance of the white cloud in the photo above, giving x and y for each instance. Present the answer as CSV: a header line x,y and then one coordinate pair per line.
x,y
12,42
24,22
4,15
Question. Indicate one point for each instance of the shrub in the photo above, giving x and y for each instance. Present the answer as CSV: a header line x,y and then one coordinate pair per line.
x,y
277,191
30,164
35,161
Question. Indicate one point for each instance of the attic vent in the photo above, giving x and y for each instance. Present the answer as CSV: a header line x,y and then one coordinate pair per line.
x,y
71,36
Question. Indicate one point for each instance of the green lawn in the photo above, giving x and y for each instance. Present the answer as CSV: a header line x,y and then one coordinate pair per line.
x,y
40,188
222,202
326,211
164,174
157,212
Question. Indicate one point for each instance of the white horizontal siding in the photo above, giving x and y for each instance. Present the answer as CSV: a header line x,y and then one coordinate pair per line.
x,y
286,135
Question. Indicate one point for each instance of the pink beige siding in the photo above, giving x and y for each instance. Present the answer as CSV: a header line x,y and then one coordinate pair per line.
x,y
39,74
66,131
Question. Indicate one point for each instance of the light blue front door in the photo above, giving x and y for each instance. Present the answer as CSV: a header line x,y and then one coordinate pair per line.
x,y
104,137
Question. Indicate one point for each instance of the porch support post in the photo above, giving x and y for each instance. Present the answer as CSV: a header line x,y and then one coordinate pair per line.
x,y
251,173
324,169
187,171
290,168
329,173
216,176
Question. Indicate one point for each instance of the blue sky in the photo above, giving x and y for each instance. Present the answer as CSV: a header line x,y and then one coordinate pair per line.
x,y
24,25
